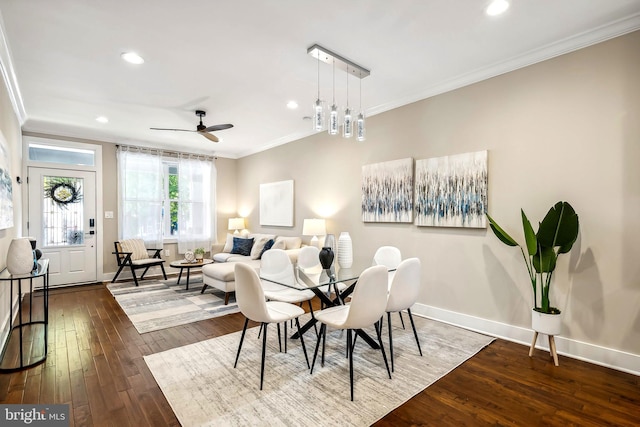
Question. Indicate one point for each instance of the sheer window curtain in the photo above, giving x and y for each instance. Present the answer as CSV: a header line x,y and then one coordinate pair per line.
x,y
197,201
140,178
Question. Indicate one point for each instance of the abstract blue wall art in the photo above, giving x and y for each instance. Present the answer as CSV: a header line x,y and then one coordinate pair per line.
x,y
387,191
6,189
451,191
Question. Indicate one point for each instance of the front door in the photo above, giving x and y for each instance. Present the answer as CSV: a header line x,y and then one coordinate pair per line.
x,y
62,214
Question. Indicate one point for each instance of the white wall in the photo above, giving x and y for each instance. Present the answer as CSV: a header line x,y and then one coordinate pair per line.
x,y
564,129
10,127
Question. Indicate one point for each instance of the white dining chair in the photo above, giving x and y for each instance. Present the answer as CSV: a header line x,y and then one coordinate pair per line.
x,y
253,306
403,293
276,265
368,303
389,256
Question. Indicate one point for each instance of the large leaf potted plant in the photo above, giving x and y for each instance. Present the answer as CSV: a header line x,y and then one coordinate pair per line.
x,y
555,236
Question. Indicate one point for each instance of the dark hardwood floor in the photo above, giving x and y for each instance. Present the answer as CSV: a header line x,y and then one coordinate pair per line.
x,y
95,364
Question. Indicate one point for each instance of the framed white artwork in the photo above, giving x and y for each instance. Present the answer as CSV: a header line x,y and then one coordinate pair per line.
x,y
6,188
276,203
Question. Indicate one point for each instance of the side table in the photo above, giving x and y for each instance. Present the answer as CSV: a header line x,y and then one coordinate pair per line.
x,y
21,354
181,264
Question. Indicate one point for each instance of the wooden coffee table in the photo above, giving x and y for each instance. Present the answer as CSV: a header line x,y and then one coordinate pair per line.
x,y
182,264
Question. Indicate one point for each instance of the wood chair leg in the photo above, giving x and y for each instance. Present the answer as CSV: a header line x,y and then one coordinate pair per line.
x,y
533,343
552,349
226,297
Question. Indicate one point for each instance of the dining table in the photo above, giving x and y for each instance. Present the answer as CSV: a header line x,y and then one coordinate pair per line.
x,y
329,279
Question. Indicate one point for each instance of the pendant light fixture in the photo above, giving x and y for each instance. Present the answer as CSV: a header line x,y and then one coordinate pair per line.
x,y
347,123
318,111
360,129
333,113
325,55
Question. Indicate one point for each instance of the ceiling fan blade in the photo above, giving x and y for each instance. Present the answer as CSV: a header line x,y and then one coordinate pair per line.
x,y
209,136
181,130
218,127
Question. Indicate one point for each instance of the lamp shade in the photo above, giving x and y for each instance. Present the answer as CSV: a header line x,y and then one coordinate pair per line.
x,y
236,223
314,227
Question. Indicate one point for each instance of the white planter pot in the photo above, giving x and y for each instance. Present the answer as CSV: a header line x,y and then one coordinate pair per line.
x,y
549,324
20,256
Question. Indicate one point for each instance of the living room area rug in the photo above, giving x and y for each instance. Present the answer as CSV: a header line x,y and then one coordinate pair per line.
x,y
161,304
204,389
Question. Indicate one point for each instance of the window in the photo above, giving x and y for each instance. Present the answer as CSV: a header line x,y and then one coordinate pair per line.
x,y
171,201
164,197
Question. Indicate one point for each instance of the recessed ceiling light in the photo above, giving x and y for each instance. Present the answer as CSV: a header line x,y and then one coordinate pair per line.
x,y
102,119
132,57
292,105
496,7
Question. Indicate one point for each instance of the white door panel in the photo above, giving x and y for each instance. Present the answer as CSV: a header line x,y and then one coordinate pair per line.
x,y
62,212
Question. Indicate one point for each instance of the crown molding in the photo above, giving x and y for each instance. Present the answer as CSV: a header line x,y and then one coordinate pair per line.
x,y
579,41
9,77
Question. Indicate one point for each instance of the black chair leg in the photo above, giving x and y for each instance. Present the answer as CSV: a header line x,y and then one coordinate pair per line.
x,y
163,272
204,286
285,337
350,361
304,349
315,352
279,339
144,272
384,354
117,273
415,333
390,339
133,273
401,319
246,322
264,349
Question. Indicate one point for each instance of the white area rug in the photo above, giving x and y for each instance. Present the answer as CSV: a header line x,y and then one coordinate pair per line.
x,y
155,305
203,388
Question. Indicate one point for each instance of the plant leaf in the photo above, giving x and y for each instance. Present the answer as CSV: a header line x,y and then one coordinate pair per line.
x,y
500,233
544,261
559,227
529,235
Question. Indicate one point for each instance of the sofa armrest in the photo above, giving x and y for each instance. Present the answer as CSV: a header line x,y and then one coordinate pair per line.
x,y
216,248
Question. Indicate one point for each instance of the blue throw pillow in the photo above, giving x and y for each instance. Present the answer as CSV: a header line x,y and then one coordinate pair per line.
x,y
242,246
266,247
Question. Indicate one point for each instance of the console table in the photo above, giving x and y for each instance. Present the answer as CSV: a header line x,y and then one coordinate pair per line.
x,y
26,344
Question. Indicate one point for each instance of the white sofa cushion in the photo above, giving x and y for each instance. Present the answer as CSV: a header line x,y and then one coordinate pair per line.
x,y
228,244
290,242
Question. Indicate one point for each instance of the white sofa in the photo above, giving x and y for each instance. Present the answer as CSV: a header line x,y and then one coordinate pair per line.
x,y
220,274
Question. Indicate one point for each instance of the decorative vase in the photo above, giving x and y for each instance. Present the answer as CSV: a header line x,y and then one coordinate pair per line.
x,y
20,256
549,324
345,250
199,256
326,256
330,242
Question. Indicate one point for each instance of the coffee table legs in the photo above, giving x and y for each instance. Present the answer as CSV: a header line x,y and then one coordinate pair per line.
x,y
180,276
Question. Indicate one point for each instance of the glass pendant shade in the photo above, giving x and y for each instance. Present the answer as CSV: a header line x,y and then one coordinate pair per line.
x,y
318,115
347,125
360,129
333,120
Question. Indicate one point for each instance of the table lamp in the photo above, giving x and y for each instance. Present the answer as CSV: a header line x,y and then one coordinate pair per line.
x,y
236,224
315,228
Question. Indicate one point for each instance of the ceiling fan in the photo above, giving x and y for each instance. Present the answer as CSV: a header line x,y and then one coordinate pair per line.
x,y
202,129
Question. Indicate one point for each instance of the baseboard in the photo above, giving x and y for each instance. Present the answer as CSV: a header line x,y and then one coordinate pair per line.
x,y
611,358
